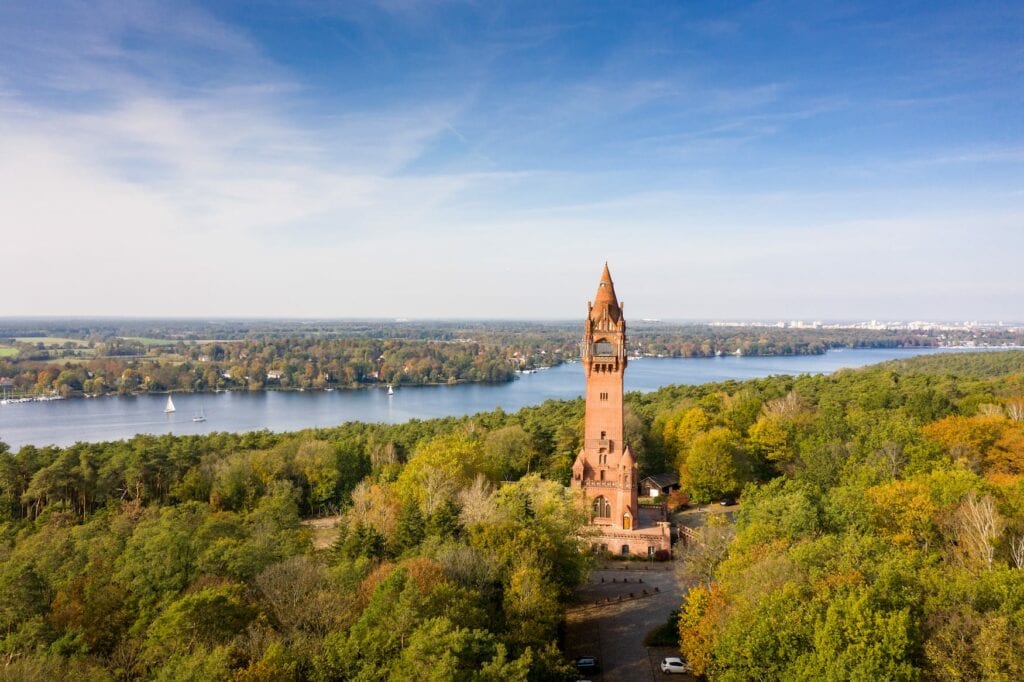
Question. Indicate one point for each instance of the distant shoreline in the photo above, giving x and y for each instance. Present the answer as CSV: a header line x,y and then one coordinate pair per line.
x,y
284,389
459,382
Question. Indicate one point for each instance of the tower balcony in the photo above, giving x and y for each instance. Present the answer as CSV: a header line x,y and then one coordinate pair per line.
x,y
595,444
594,483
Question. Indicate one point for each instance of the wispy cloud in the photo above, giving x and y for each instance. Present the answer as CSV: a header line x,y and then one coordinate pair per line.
x,y
435,153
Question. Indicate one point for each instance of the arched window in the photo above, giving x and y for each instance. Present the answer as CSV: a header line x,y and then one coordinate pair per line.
x,y
602,508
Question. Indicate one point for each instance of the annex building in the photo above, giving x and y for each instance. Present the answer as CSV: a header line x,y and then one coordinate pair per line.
x,y
605,471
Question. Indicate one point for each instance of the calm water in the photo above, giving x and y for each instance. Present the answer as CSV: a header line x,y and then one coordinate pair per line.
x,y
63,422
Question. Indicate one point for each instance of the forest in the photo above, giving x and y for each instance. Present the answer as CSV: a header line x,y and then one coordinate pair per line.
x,y
117,366
880,536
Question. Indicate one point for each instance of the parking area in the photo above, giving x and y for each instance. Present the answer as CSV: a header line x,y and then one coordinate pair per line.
x,y
618,607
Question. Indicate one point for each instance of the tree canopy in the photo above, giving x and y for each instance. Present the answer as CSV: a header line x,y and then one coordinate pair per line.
x,y
880,536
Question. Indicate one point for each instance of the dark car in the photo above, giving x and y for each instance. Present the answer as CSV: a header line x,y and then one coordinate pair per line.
x,y
728,501
587,664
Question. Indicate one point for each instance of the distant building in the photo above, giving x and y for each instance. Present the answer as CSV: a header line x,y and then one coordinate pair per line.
x,y
274,375
659,484
605,470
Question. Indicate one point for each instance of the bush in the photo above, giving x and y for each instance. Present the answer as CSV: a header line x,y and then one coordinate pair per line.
x,y
666,634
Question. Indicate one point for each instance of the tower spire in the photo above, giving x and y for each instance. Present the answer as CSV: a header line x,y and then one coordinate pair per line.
x,y
605,471
605,299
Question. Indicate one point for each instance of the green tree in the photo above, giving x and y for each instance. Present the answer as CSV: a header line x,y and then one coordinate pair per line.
x,y
410,530
317,465
713,465
198,621
162,555
857,640
507,453
444,523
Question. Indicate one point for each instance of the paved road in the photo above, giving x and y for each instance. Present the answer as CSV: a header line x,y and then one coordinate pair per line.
x,y
614,632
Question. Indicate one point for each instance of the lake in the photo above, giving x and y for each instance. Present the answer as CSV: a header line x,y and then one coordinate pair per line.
x,y
63,422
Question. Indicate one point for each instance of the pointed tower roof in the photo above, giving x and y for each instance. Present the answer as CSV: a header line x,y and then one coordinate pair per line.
x,y
605,298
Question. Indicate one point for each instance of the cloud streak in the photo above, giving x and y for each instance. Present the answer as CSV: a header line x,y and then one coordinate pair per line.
x,y
170,160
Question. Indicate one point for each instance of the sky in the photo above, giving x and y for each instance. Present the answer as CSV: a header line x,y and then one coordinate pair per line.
x,y
730,160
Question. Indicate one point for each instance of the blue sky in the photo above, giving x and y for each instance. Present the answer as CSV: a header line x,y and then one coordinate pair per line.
x,y
469,159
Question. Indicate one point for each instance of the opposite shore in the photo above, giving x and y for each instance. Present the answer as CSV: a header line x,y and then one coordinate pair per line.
x,y
9,397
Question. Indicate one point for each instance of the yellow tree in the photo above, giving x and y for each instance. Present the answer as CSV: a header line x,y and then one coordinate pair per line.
x,y
992,442
904,512
438,469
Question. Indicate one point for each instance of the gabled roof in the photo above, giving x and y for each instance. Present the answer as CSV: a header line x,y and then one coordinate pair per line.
x,y
662,480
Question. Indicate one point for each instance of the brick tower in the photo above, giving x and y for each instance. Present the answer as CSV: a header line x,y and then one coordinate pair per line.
x,y
605,469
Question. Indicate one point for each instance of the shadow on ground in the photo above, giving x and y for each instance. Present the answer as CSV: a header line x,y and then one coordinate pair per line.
x,y
611,624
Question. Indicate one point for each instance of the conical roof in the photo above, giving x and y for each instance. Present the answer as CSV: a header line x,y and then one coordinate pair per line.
x,y
605,299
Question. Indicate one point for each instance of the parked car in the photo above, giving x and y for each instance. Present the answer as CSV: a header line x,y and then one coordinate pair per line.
x,y
728,501
587,664
674,665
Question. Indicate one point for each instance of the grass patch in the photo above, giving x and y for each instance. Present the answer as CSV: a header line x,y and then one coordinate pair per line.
x,y
51,340
8,351
666,634
149,341
324,531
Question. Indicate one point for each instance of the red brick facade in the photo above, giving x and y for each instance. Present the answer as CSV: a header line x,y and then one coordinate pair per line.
x,y
605,470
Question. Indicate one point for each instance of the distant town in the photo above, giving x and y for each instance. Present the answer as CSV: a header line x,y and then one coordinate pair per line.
x,y
879,325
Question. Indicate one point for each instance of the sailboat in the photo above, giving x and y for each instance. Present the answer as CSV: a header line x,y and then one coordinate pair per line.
x,y
201,417
391,390
170,405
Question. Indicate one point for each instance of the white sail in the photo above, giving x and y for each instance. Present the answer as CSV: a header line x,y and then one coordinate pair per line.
x,y
170,405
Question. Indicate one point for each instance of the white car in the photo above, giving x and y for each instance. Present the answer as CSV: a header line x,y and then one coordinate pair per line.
x,y
674,665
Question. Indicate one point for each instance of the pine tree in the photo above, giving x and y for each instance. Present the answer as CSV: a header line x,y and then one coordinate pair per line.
x,y
444,522
410,531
